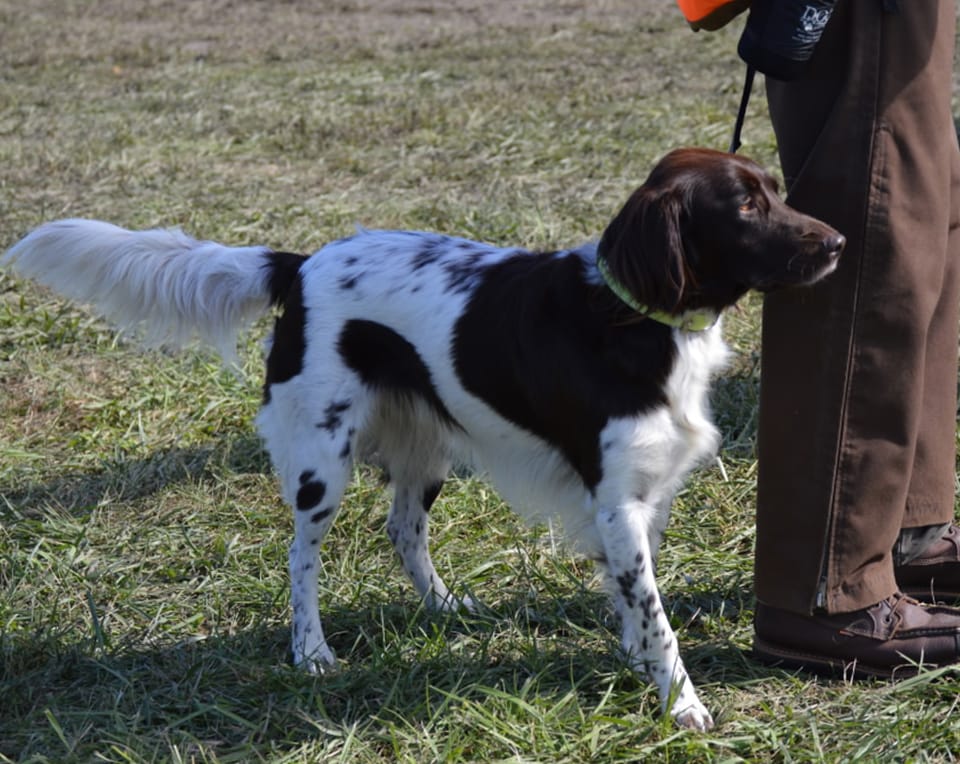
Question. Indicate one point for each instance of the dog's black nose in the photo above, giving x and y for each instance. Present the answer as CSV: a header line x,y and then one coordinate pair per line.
x,y
834,244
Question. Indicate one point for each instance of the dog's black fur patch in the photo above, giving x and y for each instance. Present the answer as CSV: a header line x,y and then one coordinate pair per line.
x,y
563,375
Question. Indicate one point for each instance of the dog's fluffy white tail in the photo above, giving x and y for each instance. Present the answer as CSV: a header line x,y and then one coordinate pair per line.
x,y
161,283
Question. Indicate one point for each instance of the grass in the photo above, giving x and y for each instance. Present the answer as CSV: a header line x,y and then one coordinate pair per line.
x,y
143,593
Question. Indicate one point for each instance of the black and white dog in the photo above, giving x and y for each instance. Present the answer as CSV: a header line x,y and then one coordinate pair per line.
x,y
576,379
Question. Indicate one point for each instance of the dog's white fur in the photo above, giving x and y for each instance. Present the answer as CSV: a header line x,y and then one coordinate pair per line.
x,y
382,351
138,280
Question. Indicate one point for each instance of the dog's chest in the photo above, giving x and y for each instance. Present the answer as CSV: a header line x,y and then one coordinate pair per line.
x,y
699,357
647,456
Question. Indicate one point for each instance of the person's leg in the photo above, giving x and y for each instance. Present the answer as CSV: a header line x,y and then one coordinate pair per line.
x,y
867,144
927,552
932,481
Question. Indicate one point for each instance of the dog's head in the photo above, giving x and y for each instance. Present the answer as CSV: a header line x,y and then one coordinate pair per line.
x,y
708,226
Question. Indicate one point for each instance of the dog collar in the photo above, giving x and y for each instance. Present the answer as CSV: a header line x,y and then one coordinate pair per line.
x,y
688,321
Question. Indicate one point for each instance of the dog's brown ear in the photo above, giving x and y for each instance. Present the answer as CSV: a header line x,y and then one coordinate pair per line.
x,y
644,248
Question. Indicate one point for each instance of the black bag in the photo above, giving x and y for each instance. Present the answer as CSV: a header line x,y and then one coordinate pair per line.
x,y
780,35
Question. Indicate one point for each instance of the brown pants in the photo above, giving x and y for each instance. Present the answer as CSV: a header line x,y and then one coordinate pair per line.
x,y
858,396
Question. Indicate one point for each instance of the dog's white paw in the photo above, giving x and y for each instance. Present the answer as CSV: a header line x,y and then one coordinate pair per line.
x,y
320,661
465,605
452,604
693,716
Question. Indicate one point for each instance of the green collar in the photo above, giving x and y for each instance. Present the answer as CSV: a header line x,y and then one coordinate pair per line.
x,y
690,321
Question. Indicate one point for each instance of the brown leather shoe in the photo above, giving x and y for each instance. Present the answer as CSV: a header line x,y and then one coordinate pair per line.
x,y
934,576
890,639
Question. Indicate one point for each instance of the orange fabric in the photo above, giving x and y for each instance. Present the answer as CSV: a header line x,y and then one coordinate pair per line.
x,y
711,14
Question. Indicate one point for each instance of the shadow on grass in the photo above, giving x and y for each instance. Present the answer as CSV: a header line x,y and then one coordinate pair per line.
x,y
65,694
127,479
400,667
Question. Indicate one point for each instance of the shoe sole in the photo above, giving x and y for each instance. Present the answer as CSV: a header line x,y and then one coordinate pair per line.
x,y
785,658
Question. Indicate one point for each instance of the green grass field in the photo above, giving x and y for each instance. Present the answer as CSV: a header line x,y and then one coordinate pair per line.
x,y
143,592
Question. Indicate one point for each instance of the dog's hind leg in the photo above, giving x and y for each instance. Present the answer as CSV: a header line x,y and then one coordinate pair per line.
x,y
313,461
317,501
414,447
407,529
648,639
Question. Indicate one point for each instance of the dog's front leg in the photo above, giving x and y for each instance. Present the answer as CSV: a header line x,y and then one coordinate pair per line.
x,y
648,640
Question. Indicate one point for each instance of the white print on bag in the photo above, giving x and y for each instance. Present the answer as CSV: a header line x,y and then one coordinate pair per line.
x,y
812,23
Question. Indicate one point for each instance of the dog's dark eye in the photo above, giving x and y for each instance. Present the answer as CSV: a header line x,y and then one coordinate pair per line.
x,y
747,205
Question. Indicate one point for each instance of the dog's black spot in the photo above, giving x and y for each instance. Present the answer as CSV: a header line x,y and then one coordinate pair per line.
x,y
314,542
430,494
323,514
333,415
428,254
552,353
348,444
627,581
289,340
348,282
647,605
385,360
282,268
310,494
306,475
463,272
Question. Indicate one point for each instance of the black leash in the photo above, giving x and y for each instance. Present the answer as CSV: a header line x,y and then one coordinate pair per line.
x,y
742,113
